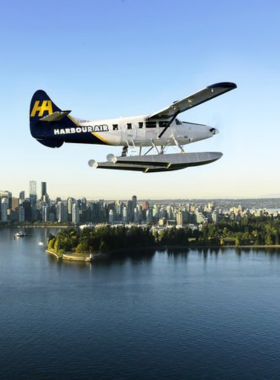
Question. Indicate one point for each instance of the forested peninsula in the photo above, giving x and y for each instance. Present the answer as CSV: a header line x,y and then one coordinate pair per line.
x,y
251,231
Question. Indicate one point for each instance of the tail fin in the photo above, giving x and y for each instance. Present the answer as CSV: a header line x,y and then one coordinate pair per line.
x,y
42,111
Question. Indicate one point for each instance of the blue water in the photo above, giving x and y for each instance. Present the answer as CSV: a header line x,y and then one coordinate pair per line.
x,y
155,315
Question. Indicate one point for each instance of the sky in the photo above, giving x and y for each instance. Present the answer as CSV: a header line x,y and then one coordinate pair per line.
x,y
111,58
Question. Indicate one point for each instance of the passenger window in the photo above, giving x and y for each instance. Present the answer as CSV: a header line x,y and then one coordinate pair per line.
x,y
140,125
129,126
151,124
115,127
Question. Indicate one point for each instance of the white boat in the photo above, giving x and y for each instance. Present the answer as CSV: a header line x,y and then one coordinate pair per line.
x,y
20,234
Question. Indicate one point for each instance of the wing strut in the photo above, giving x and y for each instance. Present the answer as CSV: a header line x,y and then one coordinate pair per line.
x,y
168,125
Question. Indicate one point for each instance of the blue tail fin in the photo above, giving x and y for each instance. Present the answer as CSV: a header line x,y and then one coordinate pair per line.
x,y
42,112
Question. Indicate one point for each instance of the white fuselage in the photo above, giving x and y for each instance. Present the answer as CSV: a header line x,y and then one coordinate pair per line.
x,y
137,131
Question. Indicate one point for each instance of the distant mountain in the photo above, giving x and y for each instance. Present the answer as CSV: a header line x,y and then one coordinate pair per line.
x,y
273,195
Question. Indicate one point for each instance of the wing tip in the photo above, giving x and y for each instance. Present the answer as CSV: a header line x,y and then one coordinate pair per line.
x,y
226,85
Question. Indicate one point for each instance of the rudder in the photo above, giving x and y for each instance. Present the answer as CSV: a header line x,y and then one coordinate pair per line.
x,y
41,106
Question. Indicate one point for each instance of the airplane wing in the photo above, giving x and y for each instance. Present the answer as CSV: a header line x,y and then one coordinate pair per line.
x,y
194,100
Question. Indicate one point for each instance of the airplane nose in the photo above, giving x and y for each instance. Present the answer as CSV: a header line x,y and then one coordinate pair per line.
x,y
214,131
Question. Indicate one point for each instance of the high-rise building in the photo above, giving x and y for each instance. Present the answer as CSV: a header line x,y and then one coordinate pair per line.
x,y
21,213
179,218
7,195
70,201
129,211
134,202
45,213
33,193
145,205
4,209
124,215
111,216
61,212
26,204
43,190
15,203
21,196
75,213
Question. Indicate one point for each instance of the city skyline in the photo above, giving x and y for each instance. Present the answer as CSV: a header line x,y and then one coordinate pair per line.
x,y
43,209
25,192
130,63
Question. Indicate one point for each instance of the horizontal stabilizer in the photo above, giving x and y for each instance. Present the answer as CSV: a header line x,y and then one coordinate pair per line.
x,y
56,116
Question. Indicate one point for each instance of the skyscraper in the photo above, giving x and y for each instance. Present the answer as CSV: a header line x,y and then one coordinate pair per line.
x,y
33,193
134,202
4,194
61,212
75,213
21,196
43,189
4,209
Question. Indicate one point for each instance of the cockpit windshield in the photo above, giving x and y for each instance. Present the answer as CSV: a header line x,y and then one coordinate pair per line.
x,y
178,122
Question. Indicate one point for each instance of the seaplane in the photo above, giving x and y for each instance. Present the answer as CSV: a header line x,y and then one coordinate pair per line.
x,y
152,134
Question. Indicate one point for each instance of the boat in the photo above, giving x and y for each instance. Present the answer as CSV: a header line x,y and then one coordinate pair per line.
x,y
20,234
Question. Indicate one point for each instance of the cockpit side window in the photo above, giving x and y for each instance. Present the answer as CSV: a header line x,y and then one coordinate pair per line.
x,y
178,122
163,124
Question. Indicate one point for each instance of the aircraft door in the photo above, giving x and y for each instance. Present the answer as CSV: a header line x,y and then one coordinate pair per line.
x,y
130,132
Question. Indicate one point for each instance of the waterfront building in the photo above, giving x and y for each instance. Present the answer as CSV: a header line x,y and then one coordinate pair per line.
x,y
51,217
45,213
21,214
61,212
70,201
4,194
26,204
4,209
75,213
111,216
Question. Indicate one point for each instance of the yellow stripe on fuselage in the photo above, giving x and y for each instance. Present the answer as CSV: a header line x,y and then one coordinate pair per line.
x,y
100,138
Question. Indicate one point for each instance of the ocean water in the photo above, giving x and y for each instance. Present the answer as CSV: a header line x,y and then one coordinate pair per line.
x,y
196,314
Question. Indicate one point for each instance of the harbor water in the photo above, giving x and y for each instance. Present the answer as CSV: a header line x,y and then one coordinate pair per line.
x,y
195,314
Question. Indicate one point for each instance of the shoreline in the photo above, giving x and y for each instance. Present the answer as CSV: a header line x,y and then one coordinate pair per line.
x,y
86,257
